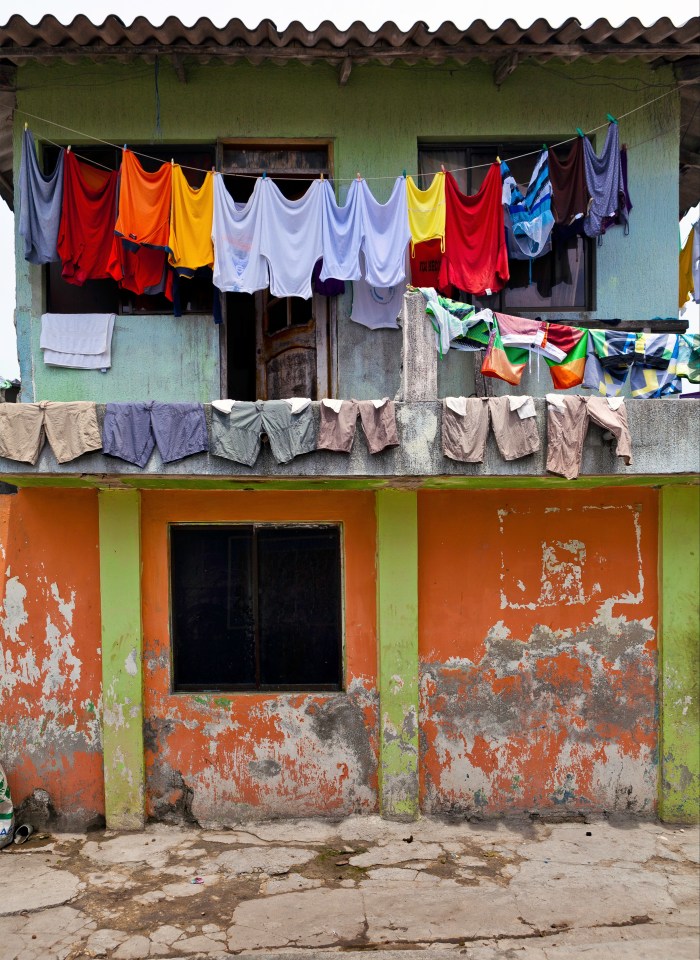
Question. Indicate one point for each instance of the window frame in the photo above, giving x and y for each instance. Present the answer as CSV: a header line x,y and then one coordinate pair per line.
x,y
248,689
500,148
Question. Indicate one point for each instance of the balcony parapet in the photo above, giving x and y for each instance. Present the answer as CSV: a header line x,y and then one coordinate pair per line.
x,y
665,443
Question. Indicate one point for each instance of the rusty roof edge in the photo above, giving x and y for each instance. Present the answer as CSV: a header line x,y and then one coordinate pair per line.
x,y
113,31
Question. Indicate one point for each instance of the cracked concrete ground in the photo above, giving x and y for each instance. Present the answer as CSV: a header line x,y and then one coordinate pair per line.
x,y
519,890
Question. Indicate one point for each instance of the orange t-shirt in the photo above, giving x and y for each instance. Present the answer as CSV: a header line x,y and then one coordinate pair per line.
x,y
144,203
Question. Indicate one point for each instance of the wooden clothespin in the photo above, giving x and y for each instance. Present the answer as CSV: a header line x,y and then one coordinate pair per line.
x,y
172,162
322,176
68,149
358,175
442,167
26,125
498,160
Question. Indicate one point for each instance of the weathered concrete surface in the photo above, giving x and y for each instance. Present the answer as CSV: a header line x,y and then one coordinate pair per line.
x,y
665,441
538,648
522,889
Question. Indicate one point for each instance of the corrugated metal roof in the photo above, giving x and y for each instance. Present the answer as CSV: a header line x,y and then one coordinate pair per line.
x,y
20,39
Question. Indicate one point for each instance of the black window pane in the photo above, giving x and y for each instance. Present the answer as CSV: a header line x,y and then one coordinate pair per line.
x,y
212,606
299,606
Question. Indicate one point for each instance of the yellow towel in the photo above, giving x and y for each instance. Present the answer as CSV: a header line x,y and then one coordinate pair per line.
x,y
191,213
426,210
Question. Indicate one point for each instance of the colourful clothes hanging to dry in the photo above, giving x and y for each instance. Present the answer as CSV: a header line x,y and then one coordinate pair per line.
x,y
144,203
426,210
476,257
86,233
191,213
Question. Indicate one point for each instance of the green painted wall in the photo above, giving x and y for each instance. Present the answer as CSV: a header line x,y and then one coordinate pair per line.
x,y
397,594
122,680
375,123
679,799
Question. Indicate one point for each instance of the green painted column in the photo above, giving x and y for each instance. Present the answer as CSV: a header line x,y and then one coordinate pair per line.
x,y
397,586
122,680
679,588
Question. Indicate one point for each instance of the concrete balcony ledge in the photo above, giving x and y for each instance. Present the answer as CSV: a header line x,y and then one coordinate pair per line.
x,y
665,440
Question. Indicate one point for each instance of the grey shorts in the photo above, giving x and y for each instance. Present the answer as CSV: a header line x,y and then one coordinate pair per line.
x,y
339,422
237,427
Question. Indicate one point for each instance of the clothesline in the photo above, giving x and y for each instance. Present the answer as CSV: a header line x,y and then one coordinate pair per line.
x,y
249,176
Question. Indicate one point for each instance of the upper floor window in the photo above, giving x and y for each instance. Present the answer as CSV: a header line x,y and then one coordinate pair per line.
x,y
557,281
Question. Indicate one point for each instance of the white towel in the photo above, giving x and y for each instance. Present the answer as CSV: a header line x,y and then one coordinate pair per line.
x,y
79,340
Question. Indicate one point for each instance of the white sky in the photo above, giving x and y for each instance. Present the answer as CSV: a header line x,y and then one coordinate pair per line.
x,y
281,12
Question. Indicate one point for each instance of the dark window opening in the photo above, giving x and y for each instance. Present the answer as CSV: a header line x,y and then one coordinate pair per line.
x,y
195,295
557,281
256,607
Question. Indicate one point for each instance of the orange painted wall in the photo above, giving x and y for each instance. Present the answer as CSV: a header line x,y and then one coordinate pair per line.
x,y
50,666
218,757
538,616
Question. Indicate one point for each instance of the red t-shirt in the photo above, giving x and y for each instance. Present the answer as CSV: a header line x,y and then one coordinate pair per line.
x,y
88,214
476,257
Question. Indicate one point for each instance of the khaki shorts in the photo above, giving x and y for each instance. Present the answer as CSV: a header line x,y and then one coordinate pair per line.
x,y
339,422
465,427
71,429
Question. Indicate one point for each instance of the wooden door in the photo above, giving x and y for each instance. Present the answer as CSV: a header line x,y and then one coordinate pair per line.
x,y
292,347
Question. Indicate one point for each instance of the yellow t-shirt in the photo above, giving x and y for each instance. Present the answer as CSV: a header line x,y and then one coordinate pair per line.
x,y
191,213
685,272
426,210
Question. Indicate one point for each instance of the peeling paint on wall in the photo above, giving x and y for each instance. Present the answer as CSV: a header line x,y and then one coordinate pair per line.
x,y
220,757
539,662
50,727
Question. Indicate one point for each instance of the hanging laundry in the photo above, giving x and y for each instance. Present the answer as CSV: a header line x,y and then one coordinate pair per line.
x,y
376,307
569,371
237,427
40,198
501,362
79,340
686,281
342,233
465,423
567,425
688,360
569,190
132,430
71,429
327,288
291,238
452,320
621,219
529,334
239,266
476,256
144,203
385,236
339,423
89,211
143,271
654,369
426,258
604,181
608,360
530,216
191,214
426,211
